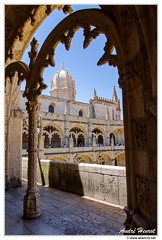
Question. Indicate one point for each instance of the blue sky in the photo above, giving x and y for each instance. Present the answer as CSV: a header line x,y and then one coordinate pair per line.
x,y
81,63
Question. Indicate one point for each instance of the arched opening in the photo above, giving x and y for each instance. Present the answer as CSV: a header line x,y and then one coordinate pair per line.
x,y
98,135
51,108
52,137
137,77
103,159
81,113
84,158
25,140
78,137
112,139
120,159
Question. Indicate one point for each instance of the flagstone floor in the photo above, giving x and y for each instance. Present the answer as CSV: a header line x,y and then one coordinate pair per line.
x,y
63,213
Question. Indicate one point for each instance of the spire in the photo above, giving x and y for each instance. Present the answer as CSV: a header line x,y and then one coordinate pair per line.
x,y
95,94
114,96
62,66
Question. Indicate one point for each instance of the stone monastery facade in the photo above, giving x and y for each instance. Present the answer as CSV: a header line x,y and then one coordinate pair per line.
x,y
74,131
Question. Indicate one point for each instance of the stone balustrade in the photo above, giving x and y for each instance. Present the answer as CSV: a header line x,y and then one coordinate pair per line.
x,y
78,149
103,182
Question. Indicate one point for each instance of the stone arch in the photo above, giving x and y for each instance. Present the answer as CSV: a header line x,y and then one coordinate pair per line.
x,y
52,136
55,126
78,134
120,159
118,133
51,107
65,31
103,159
79,127
58,158
84,158
24,139
81,113
137,75
98,134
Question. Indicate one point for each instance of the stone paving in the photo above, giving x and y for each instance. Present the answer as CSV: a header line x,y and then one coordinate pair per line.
x,y
63,213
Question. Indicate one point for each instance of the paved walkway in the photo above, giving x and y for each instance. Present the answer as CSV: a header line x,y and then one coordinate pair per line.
x,y
63,213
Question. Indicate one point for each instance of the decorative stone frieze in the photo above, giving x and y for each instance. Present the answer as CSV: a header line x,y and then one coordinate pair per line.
x,y
139,134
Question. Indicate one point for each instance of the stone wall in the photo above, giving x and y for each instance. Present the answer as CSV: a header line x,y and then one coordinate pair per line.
x,y
107,183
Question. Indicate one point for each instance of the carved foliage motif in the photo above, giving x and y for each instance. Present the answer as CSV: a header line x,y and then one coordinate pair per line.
x,y
139,134
143,194
126,19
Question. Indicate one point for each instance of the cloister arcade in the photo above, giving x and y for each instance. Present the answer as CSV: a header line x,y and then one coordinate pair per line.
x,y
132,29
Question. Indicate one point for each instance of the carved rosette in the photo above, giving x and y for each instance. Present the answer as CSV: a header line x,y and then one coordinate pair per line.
x,y
139,134
143,194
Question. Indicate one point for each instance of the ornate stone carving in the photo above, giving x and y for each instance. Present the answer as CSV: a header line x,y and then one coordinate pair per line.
x,y
126,19
67,9
132,73
139,134
143,194
32,15
34,52
17,54
48,9
90,34
50,60
108,57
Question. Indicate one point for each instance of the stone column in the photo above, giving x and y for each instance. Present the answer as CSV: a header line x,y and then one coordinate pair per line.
x,y
66,131
32,207
89,137
107,137
41,146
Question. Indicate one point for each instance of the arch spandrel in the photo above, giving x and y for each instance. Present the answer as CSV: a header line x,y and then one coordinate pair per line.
x,y
69,25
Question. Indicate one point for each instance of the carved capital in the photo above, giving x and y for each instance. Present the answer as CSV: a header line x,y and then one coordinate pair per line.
x,y
32,106
132,74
